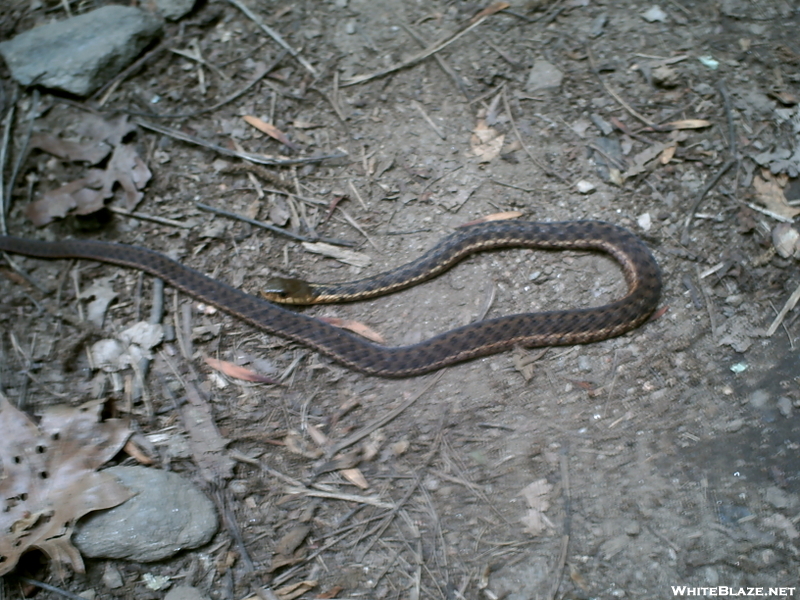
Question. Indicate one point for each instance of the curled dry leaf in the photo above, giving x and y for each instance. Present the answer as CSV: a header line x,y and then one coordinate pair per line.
x,y
288,551
295,590
687,124
350,257
355,327
237,372
50,479
537,495
786,240
270,130
89,194
486,142
91,152
498,216
769,192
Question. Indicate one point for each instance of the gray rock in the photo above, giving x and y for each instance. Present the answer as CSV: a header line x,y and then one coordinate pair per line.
x,y
185,592
168,514
78,55
543,76
174,9
780,499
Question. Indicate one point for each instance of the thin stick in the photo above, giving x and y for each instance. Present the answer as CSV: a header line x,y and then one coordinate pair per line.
x,y
442,63
358,227
562,557
273,228
769,213
247,87
687,225
365,431
614,94
49,588
146,217
371,500
414,59
23,149
524,146
3,152
105,92
790,304
275,36
425,116
255,158
726,100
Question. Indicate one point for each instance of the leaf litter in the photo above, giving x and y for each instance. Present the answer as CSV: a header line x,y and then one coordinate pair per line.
x,y
50,478
102,141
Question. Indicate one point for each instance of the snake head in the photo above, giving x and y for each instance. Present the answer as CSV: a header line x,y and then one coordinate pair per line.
x,y
286,290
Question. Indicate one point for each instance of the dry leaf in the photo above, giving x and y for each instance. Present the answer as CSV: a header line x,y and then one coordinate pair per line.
x,y
667,154
331,593
318,436
301,124
295,590
355,327
686,124
50,479
270,130
91,152
536,494
498,216
287,550
292,540
350,257
89,194
486,142
786,240
356,477
490,10
236,371
769,192
294,442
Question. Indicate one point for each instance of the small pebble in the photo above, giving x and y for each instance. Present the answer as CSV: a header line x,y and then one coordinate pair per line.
x,y
785,406
585,187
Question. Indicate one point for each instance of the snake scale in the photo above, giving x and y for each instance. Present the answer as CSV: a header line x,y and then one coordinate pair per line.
x,y
554,328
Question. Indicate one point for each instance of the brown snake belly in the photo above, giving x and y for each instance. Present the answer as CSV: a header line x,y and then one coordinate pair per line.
x,y
554,328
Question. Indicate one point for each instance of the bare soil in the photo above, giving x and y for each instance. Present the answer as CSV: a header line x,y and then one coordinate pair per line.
x,y
665,457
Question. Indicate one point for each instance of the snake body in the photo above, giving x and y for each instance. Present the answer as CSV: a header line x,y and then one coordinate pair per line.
x,y
554,328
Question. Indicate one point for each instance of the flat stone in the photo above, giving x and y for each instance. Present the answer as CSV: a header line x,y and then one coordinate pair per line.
x,y
543,76
79,54
174,9
185,592
168,514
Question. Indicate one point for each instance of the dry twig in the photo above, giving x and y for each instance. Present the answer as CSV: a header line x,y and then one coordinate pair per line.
x,y
274,35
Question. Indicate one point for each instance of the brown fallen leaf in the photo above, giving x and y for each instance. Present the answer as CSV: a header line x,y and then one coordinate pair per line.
x,y
270,130
50,478
89,194
769,192
687,124
537,495
91,152
237,372
490,10
486,142
287,550
331,593
295,590
498,216
356,477
355,327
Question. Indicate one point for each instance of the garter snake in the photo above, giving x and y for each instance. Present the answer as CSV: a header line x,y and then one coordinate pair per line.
x,y
554,328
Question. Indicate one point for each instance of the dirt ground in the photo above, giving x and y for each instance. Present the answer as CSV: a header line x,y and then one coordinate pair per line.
x,y
665,457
